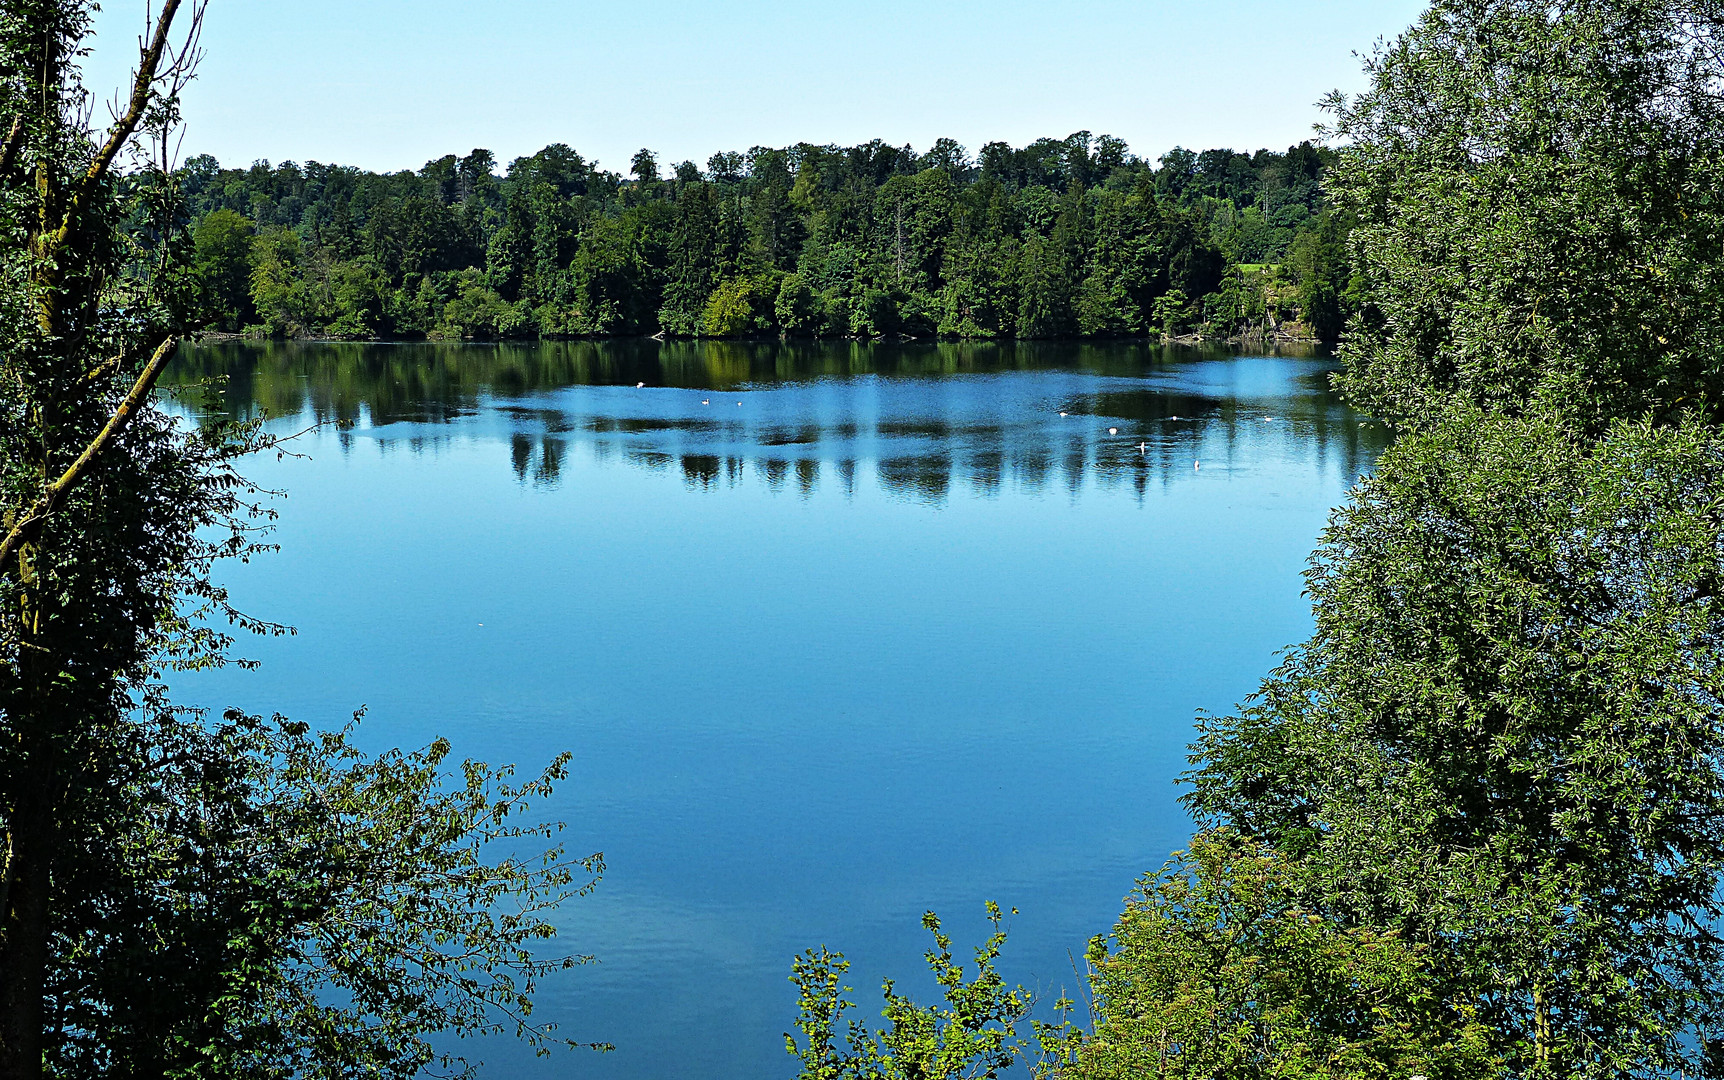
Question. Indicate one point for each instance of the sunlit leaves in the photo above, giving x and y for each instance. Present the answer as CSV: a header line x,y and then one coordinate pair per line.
x,y
1504,737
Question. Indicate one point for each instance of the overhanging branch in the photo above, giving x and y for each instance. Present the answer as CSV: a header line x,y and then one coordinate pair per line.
x,y
27,525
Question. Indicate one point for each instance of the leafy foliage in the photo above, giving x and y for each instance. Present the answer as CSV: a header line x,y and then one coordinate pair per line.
x,y
1535,189
282,904
1503,738
1474,826
974,1035
1216,969
180,897
1062,238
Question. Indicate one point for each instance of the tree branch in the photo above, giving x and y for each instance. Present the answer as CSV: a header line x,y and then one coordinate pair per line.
x,y
116,423
143,89
101,370
14,140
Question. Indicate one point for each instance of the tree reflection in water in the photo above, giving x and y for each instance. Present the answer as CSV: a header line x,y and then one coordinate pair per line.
x,y
923,419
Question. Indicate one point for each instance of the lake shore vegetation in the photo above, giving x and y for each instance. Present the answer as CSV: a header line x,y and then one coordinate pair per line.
x,y
1063,238
1473,827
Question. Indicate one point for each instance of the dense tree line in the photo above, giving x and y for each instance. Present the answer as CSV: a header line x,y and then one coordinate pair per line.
x,y
1063,238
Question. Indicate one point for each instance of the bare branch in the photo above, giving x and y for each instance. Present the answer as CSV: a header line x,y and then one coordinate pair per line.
x,y
143,86
116,423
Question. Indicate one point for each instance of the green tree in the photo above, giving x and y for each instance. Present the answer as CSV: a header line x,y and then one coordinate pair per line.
x,y
281,904
1045,290
180,897
364,305
1174,312
740,306
1124,266
797,308
1216,969
1534,186
1503,741
974,1034
477,312
696,256
279,293
1240,304
1323,277
617,278
222,244
100,496
510,251
1063,237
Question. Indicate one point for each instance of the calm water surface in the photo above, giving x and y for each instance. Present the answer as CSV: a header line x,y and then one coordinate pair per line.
x,y
836,634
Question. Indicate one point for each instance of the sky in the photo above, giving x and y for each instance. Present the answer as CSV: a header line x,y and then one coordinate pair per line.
x,y
391,84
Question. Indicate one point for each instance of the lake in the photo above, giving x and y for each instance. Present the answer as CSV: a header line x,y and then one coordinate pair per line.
x,y
837,634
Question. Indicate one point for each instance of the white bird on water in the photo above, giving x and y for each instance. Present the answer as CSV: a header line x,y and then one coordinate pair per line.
x,y
1197,466
640,386
1113,431
1143,448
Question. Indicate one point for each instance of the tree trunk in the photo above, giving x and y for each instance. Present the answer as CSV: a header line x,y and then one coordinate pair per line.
x,y
31,847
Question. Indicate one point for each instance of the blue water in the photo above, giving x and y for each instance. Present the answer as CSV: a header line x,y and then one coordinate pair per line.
x,y
835,636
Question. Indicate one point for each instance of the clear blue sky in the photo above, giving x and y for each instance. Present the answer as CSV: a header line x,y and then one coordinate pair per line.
x,y
390,85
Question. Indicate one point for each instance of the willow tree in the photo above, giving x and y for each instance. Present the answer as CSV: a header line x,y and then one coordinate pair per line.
x,y
180,896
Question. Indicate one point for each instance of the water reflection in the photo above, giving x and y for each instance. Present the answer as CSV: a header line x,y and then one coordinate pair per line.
x,y
919,422
836,635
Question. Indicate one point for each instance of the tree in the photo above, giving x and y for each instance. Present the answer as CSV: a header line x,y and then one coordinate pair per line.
x,y
1537,228
282,905
1045,288
1503,740
180,897
695,258
279,291
101,497
740,306
795,307
222,240
1174,312
1123,266
1216,969
940,245
1323,277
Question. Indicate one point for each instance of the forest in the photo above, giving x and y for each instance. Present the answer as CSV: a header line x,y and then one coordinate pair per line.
x,y
1063,238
